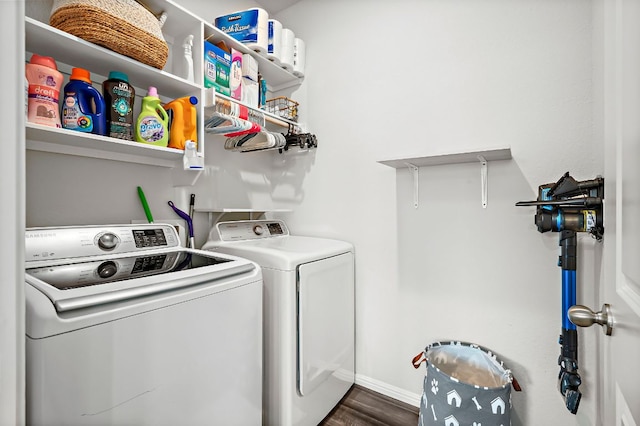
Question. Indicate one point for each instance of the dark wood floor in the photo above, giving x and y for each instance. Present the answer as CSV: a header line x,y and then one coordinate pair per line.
x,y
364,407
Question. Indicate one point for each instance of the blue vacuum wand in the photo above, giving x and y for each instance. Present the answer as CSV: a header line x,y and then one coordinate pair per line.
x,y
568,207
568,378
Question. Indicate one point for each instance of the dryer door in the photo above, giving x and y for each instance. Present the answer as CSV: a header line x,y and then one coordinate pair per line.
x,y
326,325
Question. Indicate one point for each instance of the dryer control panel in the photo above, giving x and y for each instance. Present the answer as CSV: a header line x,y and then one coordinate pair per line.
x,y
249,230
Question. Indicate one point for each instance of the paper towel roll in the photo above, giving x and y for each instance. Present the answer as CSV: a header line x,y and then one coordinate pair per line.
x,y
274,48
298,57
250,27
286,59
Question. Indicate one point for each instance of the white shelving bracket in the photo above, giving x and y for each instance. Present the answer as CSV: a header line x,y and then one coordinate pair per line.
x,y
416,176
483,180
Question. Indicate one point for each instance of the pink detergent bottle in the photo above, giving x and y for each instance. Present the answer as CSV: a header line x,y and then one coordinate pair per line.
x,y
45,82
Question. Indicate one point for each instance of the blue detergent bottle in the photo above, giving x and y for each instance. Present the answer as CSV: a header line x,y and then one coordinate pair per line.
x,y
84,108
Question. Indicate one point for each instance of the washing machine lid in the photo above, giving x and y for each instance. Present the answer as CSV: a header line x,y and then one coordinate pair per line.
x,y
79,267
269,244
94,281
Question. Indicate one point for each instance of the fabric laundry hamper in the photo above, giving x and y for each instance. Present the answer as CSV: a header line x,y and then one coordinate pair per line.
x,y
465,384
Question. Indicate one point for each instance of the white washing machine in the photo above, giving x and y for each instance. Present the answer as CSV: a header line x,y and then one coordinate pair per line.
x,y
308,310
126,327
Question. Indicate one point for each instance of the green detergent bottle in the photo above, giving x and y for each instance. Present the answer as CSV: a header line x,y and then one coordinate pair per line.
x,y
152,126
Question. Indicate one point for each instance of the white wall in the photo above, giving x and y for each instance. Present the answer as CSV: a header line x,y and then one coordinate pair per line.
x,y
387,79
12,365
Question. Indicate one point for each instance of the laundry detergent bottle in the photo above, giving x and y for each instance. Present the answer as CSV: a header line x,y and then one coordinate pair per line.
x,y
183,121
84,108
45,82
119,98
152,126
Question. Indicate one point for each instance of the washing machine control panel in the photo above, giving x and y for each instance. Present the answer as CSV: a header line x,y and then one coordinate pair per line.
x,y
250,229
70,242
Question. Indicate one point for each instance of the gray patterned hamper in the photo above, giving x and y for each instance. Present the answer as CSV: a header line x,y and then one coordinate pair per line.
x,y
465,384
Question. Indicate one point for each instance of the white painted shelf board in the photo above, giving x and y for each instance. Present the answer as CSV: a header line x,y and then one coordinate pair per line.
x,y
64,141
215,215
450,158
214,210
45,40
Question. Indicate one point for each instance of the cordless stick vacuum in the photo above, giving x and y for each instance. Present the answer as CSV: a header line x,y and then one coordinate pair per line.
x,y
569,206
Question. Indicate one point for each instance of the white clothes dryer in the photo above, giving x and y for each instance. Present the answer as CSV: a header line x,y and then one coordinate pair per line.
x,y
126,327
308,311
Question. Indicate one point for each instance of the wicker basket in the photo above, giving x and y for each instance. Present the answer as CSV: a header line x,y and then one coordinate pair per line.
x,y
123,26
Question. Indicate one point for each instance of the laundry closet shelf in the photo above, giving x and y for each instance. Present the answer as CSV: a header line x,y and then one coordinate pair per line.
x,y
68,49
211,98
277,77
216,214
261,211
180,20
71,142
463,156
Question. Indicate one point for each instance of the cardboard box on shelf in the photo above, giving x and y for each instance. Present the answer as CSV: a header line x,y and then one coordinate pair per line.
x,y
217,68
235,75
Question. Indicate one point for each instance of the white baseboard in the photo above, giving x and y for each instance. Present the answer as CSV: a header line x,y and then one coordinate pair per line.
x,y
388,390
